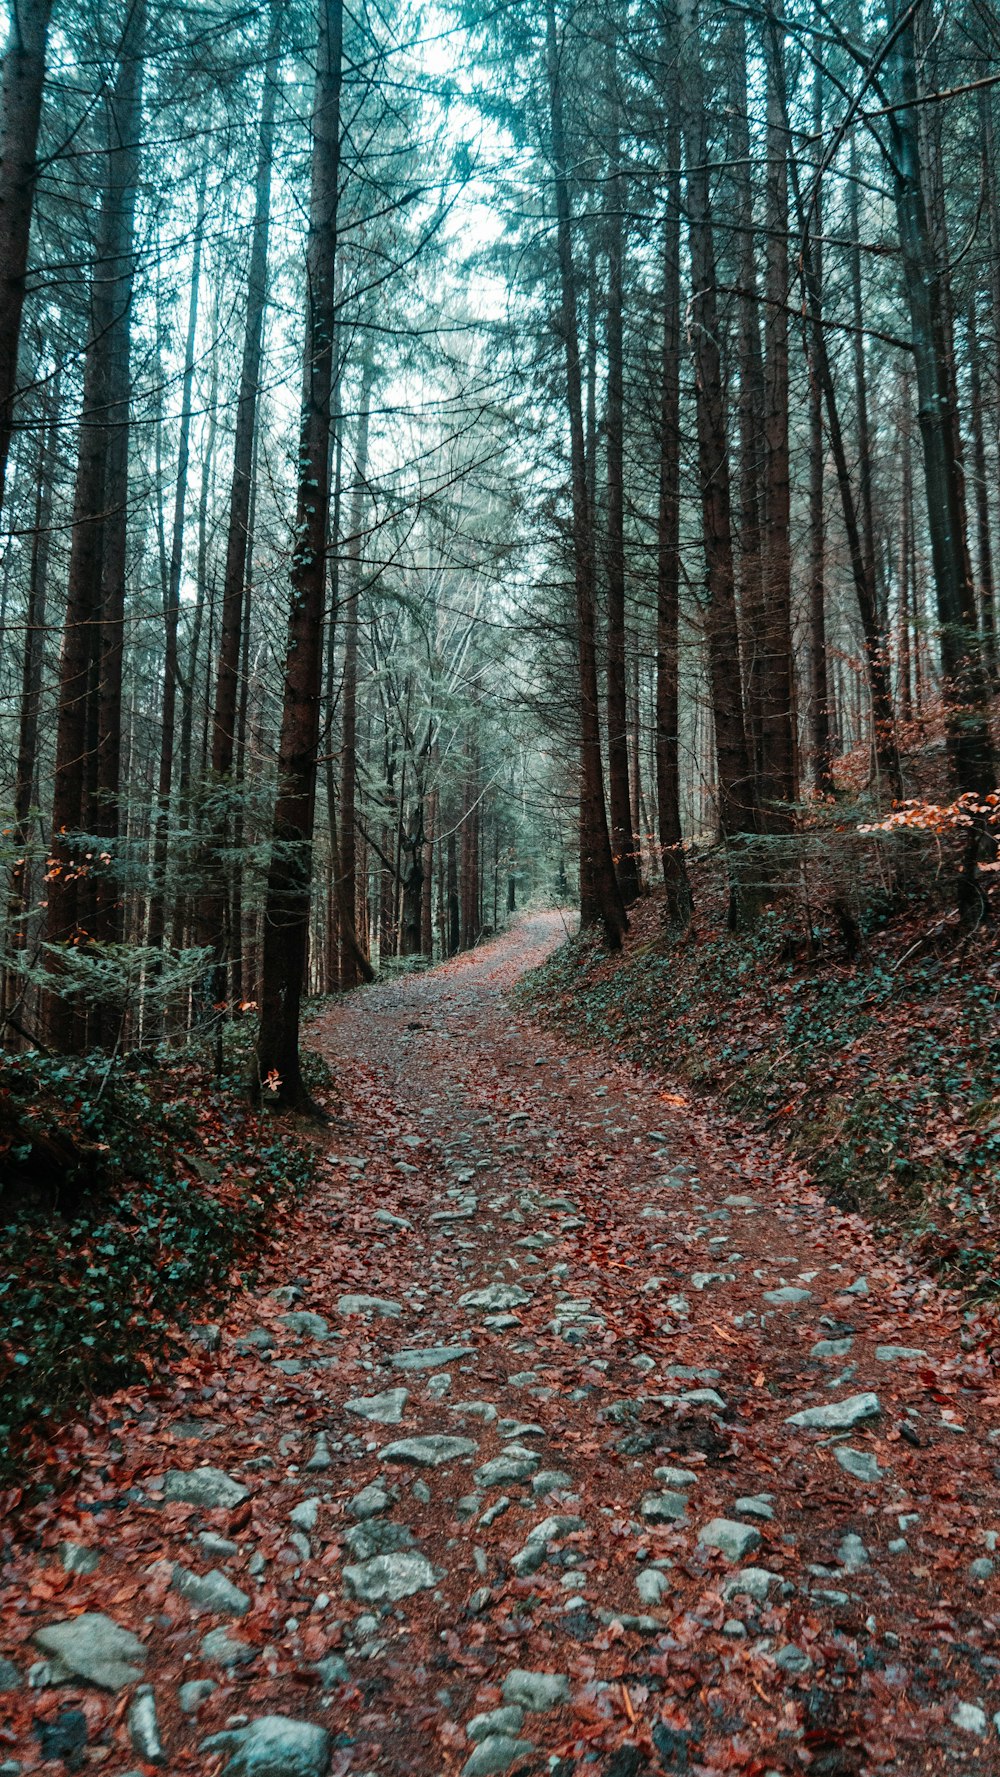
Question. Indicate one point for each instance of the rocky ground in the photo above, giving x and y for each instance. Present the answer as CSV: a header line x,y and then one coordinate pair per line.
x,y
566,1430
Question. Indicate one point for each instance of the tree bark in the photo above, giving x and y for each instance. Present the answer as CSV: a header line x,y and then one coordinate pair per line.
x,y
22,80
822,752
355,965
286,922
602,902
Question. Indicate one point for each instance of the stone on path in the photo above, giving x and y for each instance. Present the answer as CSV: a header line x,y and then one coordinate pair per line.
x,y
78,1558
370,1502
651,1584
731,1539
273,1746
495,1296
536,1690
835,1348
386,1578
96,1648
227,1650
675,1477
839,1415
970,1718
305,1516
787,1297
755,1506
793,1660
380,1536
210,1591
307,1326
535,1551
208,1487
852,1553
899,1354
496,1721
752,1582
320,1458
380,1409
10,1677
192,1695
498,1752
376,1305
143,1727
515,1464
431,1357
663,1508
428,1452
859,1463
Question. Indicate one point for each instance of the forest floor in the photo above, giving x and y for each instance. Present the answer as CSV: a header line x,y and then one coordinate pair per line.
x,y
497,1467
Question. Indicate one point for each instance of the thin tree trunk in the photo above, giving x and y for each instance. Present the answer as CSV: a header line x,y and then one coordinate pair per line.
x,y
622,834
965,686
21,83
750,416
668,560
355,965
822,760
736,805
777,786
984,542
602,901
286,923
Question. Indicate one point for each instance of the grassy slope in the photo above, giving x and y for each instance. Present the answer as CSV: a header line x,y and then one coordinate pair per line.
x,y
882,1075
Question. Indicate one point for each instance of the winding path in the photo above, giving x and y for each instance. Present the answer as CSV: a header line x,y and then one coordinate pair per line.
x,y
565,1430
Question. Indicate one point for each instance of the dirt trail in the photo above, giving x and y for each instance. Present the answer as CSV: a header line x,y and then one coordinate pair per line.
x,y
506,1431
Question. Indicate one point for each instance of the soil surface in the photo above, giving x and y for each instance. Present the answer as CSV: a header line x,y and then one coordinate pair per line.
x,y
507,1430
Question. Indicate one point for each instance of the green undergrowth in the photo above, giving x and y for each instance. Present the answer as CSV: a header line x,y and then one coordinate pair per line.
x,y
132,1202
881,1075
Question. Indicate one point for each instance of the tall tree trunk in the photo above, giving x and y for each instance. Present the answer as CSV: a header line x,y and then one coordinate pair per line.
x,y
215,922
965,686
736,805
21,82
622,835
984,541
355,965
750,413
286,923
668,560
98,471
822,759
172,597
777,786
603,900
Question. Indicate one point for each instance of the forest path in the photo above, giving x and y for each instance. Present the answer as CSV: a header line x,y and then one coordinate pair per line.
x,y
494,1469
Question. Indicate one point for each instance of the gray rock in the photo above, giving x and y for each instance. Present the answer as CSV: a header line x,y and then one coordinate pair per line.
x,y
78,1558
498,1752
787,1297
258,1339
535,1551
981,1569
753,1507
143,1727
208,1487
831,1348
370,1502
495,1511
496,1721
852,1554
752,1582
273,1746
899,1354
192,1695
220,1546
483,1410
551,1480
438,1386
514,1464
970,1718
843,1415
320,1458
675,1477
386,1578
307,1326
429,1452
332,1670
305,1516
95,1648
209,1337
495,1296
731,1539
898,1545
663,1508
536,1690
793,1660
380,1536
859,1463
858,1288
701,1280
210,1591
227,1650
703,1397
734,1628
374,1305
388,1220
380,1409
432,1357
10,1677
651,1584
